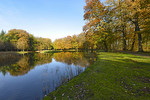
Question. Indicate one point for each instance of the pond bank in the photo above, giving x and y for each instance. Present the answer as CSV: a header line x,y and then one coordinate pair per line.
x,y
15,52
113,76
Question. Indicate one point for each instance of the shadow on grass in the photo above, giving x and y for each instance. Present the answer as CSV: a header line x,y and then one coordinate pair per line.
x,y
113,76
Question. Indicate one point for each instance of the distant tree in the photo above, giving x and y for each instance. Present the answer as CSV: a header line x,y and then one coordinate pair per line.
x,y
23,43
32,42
44,43
81,39
75,42
14,35
67,41
2,35
1,45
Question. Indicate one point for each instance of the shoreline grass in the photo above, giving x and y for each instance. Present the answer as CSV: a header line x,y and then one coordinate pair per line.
x,y
51,51
19,52
117,76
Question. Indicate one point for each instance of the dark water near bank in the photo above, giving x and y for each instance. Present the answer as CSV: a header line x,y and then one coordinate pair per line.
x,y
32,76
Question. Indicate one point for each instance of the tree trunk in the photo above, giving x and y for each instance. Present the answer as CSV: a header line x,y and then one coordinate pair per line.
x,y
92,49
132,46
77,49
105,45
124,39
137,29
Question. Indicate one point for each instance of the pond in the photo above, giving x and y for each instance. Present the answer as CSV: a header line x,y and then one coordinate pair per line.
x,y
32,76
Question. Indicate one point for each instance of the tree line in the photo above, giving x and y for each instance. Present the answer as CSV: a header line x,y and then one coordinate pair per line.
x,y
17,40
17,64
118,24
115,25
71,42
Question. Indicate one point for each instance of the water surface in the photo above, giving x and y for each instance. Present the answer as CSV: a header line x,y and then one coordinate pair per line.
x,y
32,76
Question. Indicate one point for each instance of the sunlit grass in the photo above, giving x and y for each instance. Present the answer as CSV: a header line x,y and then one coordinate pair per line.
x,y
22,52
19,52
56,51
114,76
51,51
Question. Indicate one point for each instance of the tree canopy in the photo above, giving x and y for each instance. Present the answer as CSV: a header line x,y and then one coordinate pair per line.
x,y
113,25
17,39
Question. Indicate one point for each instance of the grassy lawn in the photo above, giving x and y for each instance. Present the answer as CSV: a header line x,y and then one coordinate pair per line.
x,y
115,76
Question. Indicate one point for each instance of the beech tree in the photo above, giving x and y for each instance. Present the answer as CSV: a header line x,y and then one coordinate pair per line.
x,y
138,8
97,28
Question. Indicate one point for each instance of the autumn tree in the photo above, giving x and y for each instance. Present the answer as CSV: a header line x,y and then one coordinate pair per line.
x,y
44,43
136,9
81,40
23,43
75,42
16,34
98,20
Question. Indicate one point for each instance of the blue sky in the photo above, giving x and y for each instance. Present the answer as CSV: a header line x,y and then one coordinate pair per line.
x,y
43,18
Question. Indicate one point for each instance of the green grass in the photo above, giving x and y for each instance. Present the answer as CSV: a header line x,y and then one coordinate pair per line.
x,y
19,52
51,51
114,76
22,52
56,51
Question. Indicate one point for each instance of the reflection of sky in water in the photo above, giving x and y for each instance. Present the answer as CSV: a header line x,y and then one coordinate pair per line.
x,y
38,82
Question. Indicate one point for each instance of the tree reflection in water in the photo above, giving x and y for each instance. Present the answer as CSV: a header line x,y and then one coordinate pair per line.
x,y
39,73
11,63
60,73
25,64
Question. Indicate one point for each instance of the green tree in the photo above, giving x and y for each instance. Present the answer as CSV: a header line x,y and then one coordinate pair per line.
x,y
2,35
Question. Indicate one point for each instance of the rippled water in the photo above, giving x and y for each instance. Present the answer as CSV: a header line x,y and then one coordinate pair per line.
x,y
32,76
